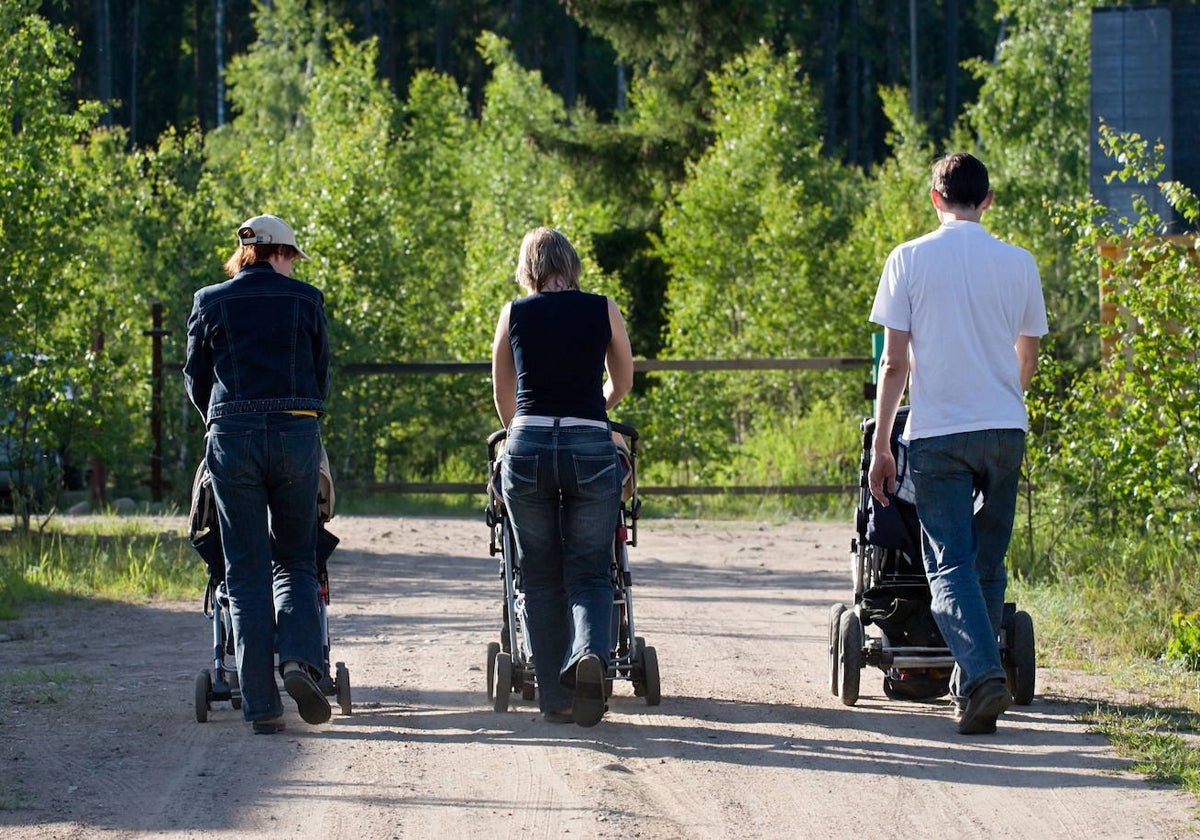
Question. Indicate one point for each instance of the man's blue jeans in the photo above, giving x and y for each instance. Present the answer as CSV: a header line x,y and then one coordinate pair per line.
x,y
963,550
562,489
265,469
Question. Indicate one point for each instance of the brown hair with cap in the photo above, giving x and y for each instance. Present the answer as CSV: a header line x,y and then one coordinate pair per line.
x,y
249,254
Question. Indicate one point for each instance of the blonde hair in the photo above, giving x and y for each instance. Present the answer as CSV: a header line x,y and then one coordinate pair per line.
x,y
546,256
246,255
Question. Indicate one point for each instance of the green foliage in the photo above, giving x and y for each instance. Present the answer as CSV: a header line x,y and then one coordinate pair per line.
x,y
751,247
1123,444
42,298
1185,645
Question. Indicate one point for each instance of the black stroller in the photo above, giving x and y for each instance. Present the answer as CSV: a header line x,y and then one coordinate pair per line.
x,y
510,660
891,595
220,683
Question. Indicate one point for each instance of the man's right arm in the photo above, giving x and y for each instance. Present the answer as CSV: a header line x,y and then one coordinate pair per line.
x,y
893,377
1027,356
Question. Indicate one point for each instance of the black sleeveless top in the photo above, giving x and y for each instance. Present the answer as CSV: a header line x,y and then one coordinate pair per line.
x,y
559,340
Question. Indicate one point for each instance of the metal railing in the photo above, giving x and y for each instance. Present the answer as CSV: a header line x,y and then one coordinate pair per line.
x,y
640,366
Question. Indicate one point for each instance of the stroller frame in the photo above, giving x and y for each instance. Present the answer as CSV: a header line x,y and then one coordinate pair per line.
x,y
882,565
510,660
220,683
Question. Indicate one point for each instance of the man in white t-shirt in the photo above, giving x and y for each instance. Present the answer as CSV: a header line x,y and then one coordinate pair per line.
x,y
962,313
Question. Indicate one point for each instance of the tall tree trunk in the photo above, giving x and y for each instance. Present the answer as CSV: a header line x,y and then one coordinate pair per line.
x,y
443,37
220,42
570,71
104,69
134,55
197,76
913,54
853,82
894,30
830,35
952,45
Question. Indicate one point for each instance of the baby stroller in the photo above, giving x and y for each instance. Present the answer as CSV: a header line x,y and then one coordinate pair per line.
x,y
510,660
890,625
220,684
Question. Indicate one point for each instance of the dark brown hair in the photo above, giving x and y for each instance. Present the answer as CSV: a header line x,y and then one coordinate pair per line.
x,y
961,180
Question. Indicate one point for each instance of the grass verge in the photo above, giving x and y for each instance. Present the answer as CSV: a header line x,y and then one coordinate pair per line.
x,y
108,556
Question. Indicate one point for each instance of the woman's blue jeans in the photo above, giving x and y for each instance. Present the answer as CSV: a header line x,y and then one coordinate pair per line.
x,y
265,469
964,550
562,489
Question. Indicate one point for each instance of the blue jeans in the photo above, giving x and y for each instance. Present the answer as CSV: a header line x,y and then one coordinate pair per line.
x,y
562,489
963,550
265,469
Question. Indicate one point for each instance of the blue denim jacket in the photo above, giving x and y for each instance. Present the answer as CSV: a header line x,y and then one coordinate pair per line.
x,y
257,343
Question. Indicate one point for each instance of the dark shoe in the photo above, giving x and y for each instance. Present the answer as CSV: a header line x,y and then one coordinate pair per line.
x,y
984,706
558,717
588,707
311,702
268,726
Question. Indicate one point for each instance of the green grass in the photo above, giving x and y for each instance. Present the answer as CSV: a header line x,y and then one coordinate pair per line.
x,y
1150,738
113,557
1104,604
41,686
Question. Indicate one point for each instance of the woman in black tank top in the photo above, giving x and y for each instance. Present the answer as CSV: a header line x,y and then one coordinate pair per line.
x,y
560,474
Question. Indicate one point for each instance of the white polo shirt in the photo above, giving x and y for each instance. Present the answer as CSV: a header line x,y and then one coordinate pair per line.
x,y
965,297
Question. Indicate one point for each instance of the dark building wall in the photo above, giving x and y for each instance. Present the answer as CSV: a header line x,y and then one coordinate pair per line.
x,y
1146,79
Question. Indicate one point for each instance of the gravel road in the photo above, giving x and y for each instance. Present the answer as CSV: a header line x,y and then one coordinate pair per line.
x,y
99,737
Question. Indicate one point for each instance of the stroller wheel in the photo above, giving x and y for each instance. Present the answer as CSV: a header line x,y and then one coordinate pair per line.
x,y
650,675
235,693
1022,659
635,674
850,642
503,681
493,648
203,687
835,623
342,685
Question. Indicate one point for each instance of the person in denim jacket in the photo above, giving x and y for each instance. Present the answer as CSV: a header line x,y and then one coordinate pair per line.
x,y
257,370
560,473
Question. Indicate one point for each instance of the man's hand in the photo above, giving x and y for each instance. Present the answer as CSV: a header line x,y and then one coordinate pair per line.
x,y
881,479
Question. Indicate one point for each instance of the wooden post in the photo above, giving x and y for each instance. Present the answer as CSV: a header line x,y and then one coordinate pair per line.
x,y
156,334
98,480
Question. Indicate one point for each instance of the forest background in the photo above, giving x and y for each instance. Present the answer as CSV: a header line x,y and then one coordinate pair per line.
x,y
732,173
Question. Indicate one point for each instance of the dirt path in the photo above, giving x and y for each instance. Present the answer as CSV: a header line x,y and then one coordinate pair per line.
x,y
98,736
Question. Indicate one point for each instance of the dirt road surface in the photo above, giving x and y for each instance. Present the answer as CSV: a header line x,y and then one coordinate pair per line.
x,y
99,737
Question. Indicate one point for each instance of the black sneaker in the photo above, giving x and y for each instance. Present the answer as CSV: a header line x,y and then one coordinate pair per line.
x,y
588,707
310,700
268,726
986,703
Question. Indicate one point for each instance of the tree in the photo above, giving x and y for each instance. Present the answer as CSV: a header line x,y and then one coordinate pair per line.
x,y
1122,446
41,342
751,243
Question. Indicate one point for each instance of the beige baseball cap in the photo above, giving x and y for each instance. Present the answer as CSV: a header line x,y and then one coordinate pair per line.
x,y
268,230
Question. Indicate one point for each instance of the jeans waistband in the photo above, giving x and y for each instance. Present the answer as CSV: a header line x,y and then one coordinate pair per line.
x,y
550,422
